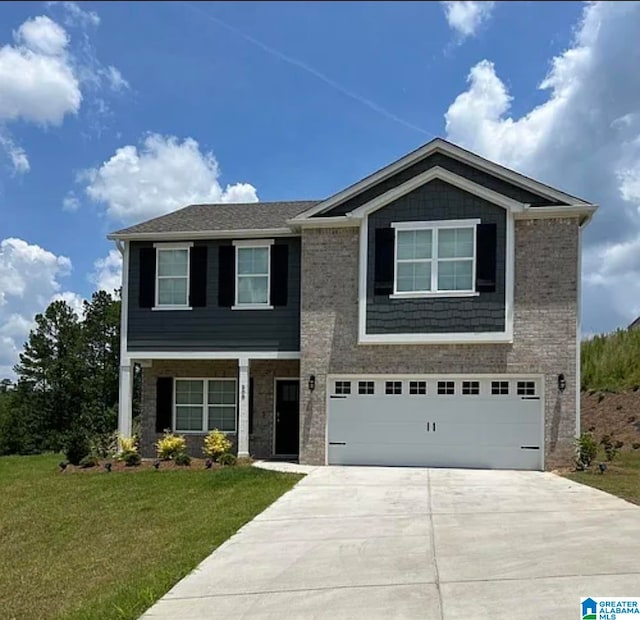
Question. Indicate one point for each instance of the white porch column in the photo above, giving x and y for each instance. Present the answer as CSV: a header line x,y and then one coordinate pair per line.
x,y
125,399
243,409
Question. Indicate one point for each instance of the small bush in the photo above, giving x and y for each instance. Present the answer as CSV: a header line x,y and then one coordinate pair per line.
x,y
89,461
128,444
182,459
131,458
77,447
636,445
215,444
104,445
170,446
586,450
227,459
610,446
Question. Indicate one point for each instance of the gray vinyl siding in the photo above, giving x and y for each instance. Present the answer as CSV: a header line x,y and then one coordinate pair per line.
x,y
212,328
453,165
485,313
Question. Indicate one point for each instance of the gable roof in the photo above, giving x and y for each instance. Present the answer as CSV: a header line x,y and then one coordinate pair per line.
x,y
199,220
438,145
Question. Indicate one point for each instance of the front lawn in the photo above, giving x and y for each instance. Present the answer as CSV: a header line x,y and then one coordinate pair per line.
x,y
107,545
622,477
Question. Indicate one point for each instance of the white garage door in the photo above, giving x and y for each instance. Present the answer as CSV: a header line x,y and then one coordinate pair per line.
x,y
436,422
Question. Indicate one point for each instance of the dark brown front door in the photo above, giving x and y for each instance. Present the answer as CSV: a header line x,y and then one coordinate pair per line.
x,y
287,416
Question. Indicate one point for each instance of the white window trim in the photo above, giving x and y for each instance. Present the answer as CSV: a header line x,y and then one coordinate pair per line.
x,y
434,227
205,404
172,246
253,243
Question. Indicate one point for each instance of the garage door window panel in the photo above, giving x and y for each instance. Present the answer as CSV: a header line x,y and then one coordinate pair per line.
x,y
499,388
471,388
342,387
446,388
418,387
526,388
393,387
366,387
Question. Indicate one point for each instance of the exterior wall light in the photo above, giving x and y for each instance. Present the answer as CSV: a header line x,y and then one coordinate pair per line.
x,y
312,383
562,382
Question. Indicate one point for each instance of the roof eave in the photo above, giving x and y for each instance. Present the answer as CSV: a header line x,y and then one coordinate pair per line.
x,y
202,234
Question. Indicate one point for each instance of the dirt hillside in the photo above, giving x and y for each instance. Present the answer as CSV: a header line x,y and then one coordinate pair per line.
x,y
614,414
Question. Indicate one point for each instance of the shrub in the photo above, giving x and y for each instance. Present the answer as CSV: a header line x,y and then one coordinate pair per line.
x,y
182,458
131,458
77,447
227,459
215,444
170,446
104,445
586,450
610,446
636,445
89,461
128,444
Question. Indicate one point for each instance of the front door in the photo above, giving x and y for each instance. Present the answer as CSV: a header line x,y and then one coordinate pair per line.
x,y
287,416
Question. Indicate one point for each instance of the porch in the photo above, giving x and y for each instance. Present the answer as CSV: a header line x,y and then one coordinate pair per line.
x,y
254,400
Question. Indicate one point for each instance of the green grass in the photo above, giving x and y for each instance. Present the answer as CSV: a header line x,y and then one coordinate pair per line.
x,y
105,546
611,362
622,477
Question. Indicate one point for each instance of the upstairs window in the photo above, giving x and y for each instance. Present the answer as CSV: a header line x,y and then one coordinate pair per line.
x,y
172,277
435,258
253,262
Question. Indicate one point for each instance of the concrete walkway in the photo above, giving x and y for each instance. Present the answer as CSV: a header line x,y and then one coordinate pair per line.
x,y
415,543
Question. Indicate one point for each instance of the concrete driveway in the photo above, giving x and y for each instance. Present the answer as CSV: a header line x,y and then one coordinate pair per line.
x,y
369,542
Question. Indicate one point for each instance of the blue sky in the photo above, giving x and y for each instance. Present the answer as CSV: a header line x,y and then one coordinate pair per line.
x,y
116,112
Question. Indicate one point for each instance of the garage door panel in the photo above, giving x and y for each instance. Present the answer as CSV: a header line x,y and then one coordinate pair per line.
x,y
489,431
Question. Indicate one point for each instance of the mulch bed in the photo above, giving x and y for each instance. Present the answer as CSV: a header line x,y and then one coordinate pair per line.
x,y
146,464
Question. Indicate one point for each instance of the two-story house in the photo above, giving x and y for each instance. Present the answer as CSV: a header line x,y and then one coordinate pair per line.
x,y
426,315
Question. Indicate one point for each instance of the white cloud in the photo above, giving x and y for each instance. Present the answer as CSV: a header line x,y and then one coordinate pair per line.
x,y
107,274
467,17
29,280
36,86
41,34
585,139
70,202
16,154
46,75
161,175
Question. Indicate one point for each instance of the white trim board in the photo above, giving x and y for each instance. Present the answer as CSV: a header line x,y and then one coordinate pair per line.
x,y
204,234
212,355
451,150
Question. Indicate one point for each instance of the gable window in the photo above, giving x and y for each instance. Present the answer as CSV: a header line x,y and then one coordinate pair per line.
x,y
435,258
204,404
172,276
253,274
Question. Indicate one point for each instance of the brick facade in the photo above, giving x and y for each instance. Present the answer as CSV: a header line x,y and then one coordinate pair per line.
x,y
545,318
263,373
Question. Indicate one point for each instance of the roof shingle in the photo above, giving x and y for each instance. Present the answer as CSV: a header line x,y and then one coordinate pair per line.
x,y
227,216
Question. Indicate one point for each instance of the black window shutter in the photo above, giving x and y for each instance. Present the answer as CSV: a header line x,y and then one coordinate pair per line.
x,y
164,403
147,283
250,405
486,258
198,276
279,274
226,275
384,257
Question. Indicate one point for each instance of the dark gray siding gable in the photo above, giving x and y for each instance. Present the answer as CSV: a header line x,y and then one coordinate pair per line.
x,y
215,328
453,165
437,200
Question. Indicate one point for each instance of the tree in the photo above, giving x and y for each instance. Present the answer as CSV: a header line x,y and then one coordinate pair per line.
x,y
101,359
50,373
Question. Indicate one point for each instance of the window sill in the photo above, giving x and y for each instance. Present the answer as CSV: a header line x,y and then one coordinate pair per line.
x,y
411,295
252,307
171,308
